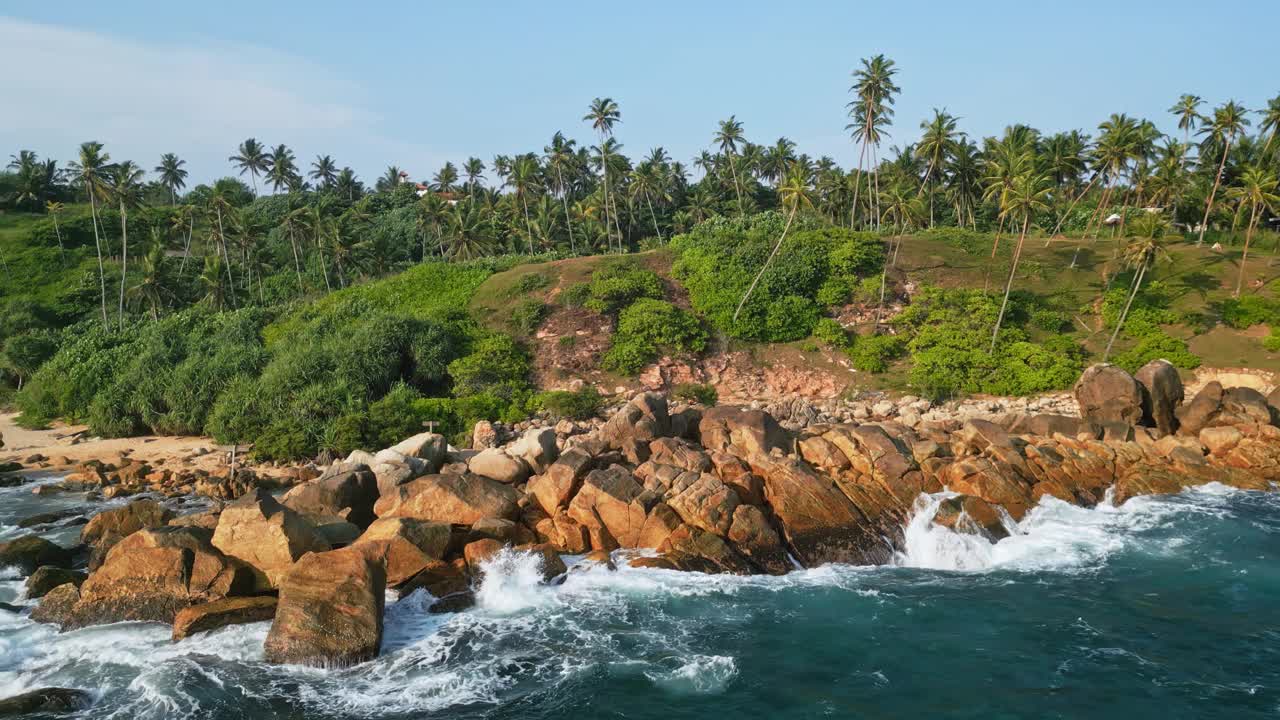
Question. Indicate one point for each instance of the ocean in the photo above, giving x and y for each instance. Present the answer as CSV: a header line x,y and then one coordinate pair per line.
x,y
1166,607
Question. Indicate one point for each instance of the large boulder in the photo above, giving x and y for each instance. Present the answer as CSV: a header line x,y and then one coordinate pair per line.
x,y
973,515
755,538
497,464
428,447
210,616
406,546
695,550
31,551
122,521
154,573
703,501
1215,406
537,448
348,492
1162,393
1106,394
266,535
748,434
612,507
454,499
642,420
330,610
557,485
48,577
817,520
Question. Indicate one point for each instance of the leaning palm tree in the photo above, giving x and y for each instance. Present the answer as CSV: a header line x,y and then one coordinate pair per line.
x,y
603,116
251,157
1028,195
173,176
324,171
794,193
940,136
646,184
91,170
1257,190
1142,252
126,190
728,137
1228,121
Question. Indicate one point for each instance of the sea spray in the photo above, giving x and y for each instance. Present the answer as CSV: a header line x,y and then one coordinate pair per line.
x,y
512,582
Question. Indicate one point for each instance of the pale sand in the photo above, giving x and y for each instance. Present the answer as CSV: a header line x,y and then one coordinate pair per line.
x,y
56,443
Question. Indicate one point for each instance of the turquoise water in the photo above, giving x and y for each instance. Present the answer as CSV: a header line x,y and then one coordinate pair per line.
x,y
1163,608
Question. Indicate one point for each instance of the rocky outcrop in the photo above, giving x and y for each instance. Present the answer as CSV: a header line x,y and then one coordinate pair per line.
x,y
750,435
1107,394
31,551
344,491
330,610
405,546
210,616
561,480
455,499
148,577
266,536
1162,393
48,577
428,447
612,507
499,465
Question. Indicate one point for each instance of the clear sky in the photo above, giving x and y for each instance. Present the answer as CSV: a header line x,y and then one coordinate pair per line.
x,y
419,83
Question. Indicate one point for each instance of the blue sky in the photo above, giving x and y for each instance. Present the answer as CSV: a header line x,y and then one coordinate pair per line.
x,y
419,83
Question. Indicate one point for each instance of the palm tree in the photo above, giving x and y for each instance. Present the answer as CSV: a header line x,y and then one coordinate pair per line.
x,y
252,158
432,212
871,110
794,193
1257,189
220,207
473,168
324,171
153,286
1028,195
283,172
728,137
347,185
216,290
468,232
523,179
172,175
1187,110
940,136
777,159
390,179
1141,253
54,208
91,170
126,190
559,157
184,220
1228,121
603,116
291,225
1270,123
646,184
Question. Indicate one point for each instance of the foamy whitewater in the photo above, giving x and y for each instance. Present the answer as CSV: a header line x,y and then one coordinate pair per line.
x,y
1165,607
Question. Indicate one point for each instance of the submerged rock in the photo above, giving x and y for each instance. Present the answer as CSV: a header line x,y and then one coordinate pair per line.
x,y
45,700
31,551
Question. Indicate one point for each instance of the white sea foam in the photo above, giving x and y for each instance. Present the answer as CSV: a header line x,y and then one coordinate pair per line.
x,y
700,674
512,583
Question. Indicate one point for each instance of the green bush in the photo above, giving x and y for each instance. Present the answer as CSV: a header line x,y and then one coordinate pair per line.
x,y
527,317
1272,341
791,317
620,283
575,295
696,392
529,282
1050,320
1156,346
563,404
831,332
1243,313
873,353
496,366
646,330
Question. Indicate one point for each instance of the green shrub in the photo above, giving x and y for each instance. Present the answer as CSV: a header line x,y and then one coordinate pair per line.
x,y
563,404
1156,346
646,330
791,317
873,353
527,283
575,295
496,366
527,317
696,392
970,241
1050,320
1243,313
618,284
1272,341
831,332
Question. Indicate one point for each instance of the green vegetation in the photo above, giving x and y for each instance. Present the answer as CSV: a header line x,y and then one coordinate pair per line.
x,y
648,329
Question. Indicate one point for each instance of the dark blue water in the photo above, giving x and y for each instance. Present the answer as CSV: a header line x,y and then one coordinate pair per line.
x,y
1163,608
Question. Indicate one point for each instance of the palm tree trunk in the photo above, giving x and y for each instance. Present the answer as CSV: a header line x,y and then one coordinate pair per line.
x,y
102,274
297,263
1248,239
564,198
653,216
58,231
124,257
1008,285
991,261
768,260
1071,207
186,251
736,185
1137,283
857,185
528,227
222,242
1217,180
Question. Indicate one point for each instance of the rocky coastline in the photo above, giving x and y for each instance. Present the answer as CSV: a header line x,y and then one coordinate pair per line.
x,y
726,489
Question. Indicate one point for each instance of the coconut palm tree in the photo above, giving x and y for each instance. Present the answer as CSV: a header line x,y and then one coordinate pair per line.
x,y
251,157
347,185
871,111
524,179
283,172
126,189
560,158
468,232
728,137
91,170
172,175
1257,191
324,171
1270,123
432,212
1228,121
937,143
1028,194
153,286
646,184
1187,110
794,194
53,209
473,168
1141,253
184,220
604,115
390,179
214,283
964,176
